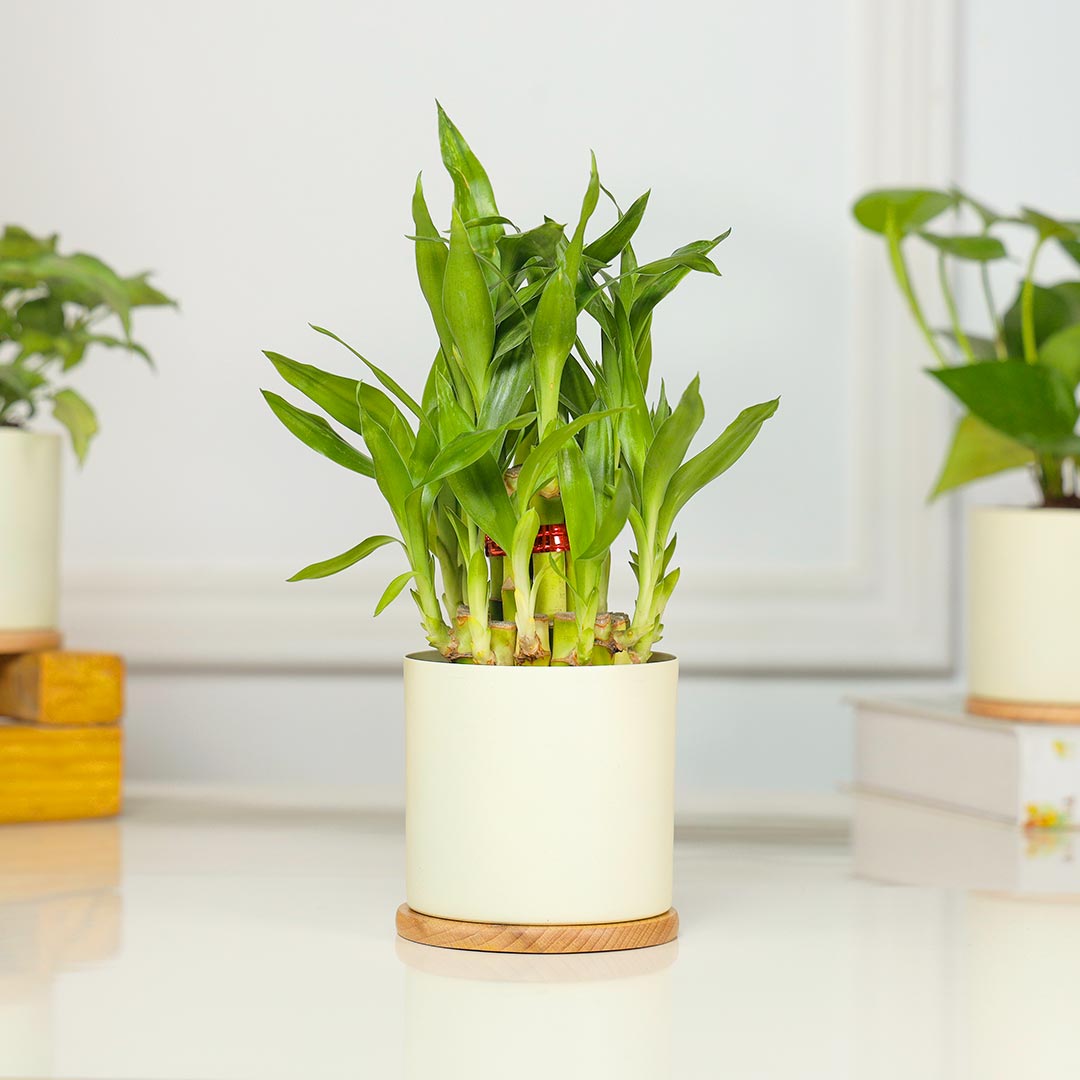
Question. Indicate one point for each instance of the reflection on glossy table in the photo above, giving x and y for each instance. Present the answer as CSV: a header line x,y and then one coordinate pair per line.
x,y
193,940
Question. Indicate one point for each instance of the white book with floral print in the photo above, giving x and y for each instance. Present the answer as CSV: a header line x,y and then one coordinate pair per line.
x,y
1021,773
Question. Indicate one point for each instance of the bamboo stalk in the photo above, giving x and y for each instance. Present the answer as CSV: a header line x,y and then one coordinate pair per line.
x,y
496,565
503,642
602,643
540,654
462,643
509,603
564,640
550,567
620,634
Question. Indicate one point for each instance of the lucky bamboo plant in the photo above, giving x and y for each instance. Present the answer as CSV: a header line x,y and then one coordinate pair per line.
x,y
1018,380
52,308
527,452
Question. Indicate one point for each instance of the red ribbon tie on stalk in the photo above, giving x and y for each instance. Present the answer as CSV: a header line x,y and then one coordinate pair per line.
x,y
549,539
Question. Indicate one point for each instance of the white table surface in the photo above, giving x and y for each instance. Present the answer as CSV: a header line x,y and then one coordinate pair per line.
x,y
191,940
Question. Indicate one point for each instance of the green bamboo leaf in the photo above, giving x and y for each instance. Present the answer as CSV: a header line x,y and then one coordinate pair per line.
x,y
469,447
480,490
554,330
473,194
1030,403
391,473
687,260
539,466
599,446
578,497
612,513
669,447
393,591
588,208
373,402
431,265
334,394
903,208
315,432
971,248
714,460
343,561
656,287
71,410
624,374
540,243
387,381
605,247
506,394
468,310
979,450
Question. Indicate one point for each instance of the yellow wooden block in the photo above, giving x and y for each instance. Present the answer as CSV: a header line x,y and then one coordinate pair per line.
x,y
62,687
54,773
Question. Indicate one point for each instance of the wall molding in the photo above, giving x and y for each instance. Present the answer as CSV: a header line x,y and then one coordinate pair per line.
x,y
884,606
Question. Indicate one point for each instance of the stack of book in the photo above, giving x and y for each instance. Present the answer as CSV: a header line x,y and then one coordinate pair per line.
x,y
950,799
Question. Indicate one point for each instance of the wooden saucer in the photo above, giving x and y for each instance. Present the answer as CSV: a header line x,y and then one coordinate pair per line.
x,y
510,938
1025,712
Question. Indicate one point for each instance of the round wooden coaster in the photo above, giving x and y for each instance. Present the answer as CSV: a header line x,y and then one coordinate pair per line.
x,y
21,641
1027,712
510,938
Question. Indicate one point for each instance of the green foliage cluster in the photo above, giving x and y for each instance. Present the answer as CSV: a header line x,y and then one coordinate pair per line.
x,y
52,309
1018,384
520,425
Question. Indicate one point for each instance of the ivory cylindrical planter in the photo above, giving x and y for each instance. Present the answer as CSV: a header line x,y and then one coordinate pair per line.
x,y
539,796
1024,613
30,537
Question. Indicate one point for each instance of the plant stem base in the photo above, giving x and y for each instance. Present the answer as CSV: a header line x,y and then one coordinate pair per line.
x,y
541,940
1027,712
24,641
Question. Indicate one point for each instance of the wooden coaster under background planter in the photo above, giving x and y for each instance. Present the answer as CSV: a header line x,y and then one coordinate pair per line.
x,y
1024,712
24,641
540,940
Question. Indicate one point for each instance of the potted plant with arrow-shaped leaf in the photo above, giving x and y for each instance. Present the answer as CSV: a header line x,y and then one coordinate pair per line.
x,y
1015,381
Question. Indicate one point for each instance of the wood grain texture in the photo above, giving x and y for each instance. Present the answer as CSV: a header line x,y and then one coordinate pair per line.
x,y
1024,712
57,774
62,687
511,938
21,641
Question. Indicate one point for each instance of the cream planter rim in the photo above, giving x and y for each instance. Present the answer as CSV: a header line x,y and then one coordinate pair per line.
x,y
30,546
1023,607
539,795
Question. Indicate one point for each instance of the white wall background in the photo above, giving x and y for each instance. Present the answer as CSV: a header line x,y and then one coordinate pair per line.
x,y
261,157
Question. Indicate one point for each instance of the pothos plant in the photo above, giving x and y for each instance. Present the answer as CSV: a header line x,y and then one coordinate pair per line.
x,y
1017,381
527,453
53,308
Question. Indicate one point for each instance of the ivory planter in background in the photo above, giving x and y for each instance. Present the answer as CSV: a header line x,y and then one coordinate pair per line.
x,y
30,535
539,795
1024,613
